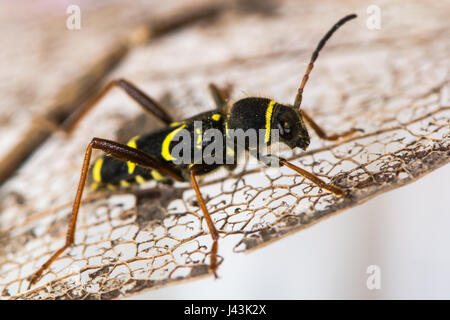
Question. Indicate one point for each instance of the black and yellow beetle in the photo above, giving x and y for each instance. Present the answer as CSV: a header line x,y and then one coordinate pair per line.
x,y
150,156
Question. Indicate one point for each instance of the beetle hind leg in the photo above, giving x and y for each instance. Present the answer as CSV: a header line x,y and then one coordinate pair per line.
x,y
118,151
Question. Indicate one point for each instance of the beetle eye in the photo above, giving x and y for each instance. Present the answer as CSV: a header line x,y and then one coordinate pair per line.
x,y
287,127
284,128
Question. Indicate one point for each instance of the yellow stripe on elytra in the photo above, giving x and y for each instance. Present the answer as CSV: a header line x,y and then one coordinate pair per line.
x,y
166,143
132,144
199,138
124,183
216,117
226,128
177,123
96,170
269,120
157,176
94,186
139,179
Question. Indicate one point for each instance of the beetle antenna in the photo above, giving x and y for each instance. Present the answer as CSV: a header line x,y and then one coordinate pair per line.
x,y
298,97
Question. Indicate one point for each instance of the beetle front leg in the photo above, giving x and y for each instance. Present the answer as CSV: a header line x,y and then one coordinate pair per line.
x,y
274,161
321,133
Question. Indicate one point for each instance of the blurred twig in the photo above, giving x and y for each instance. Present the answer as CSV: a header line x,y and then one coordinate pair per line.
x,y
72,97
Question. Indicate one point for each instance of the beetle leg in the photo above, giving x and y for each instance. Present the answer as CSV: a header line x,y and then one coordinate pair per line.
x,y
212,229
146,102
272,160
315,179
321,133
116,150
220,96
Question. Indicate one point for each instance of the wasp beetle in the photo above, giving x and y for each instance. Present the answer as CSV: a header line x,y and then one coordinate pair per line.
x,y
149,156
